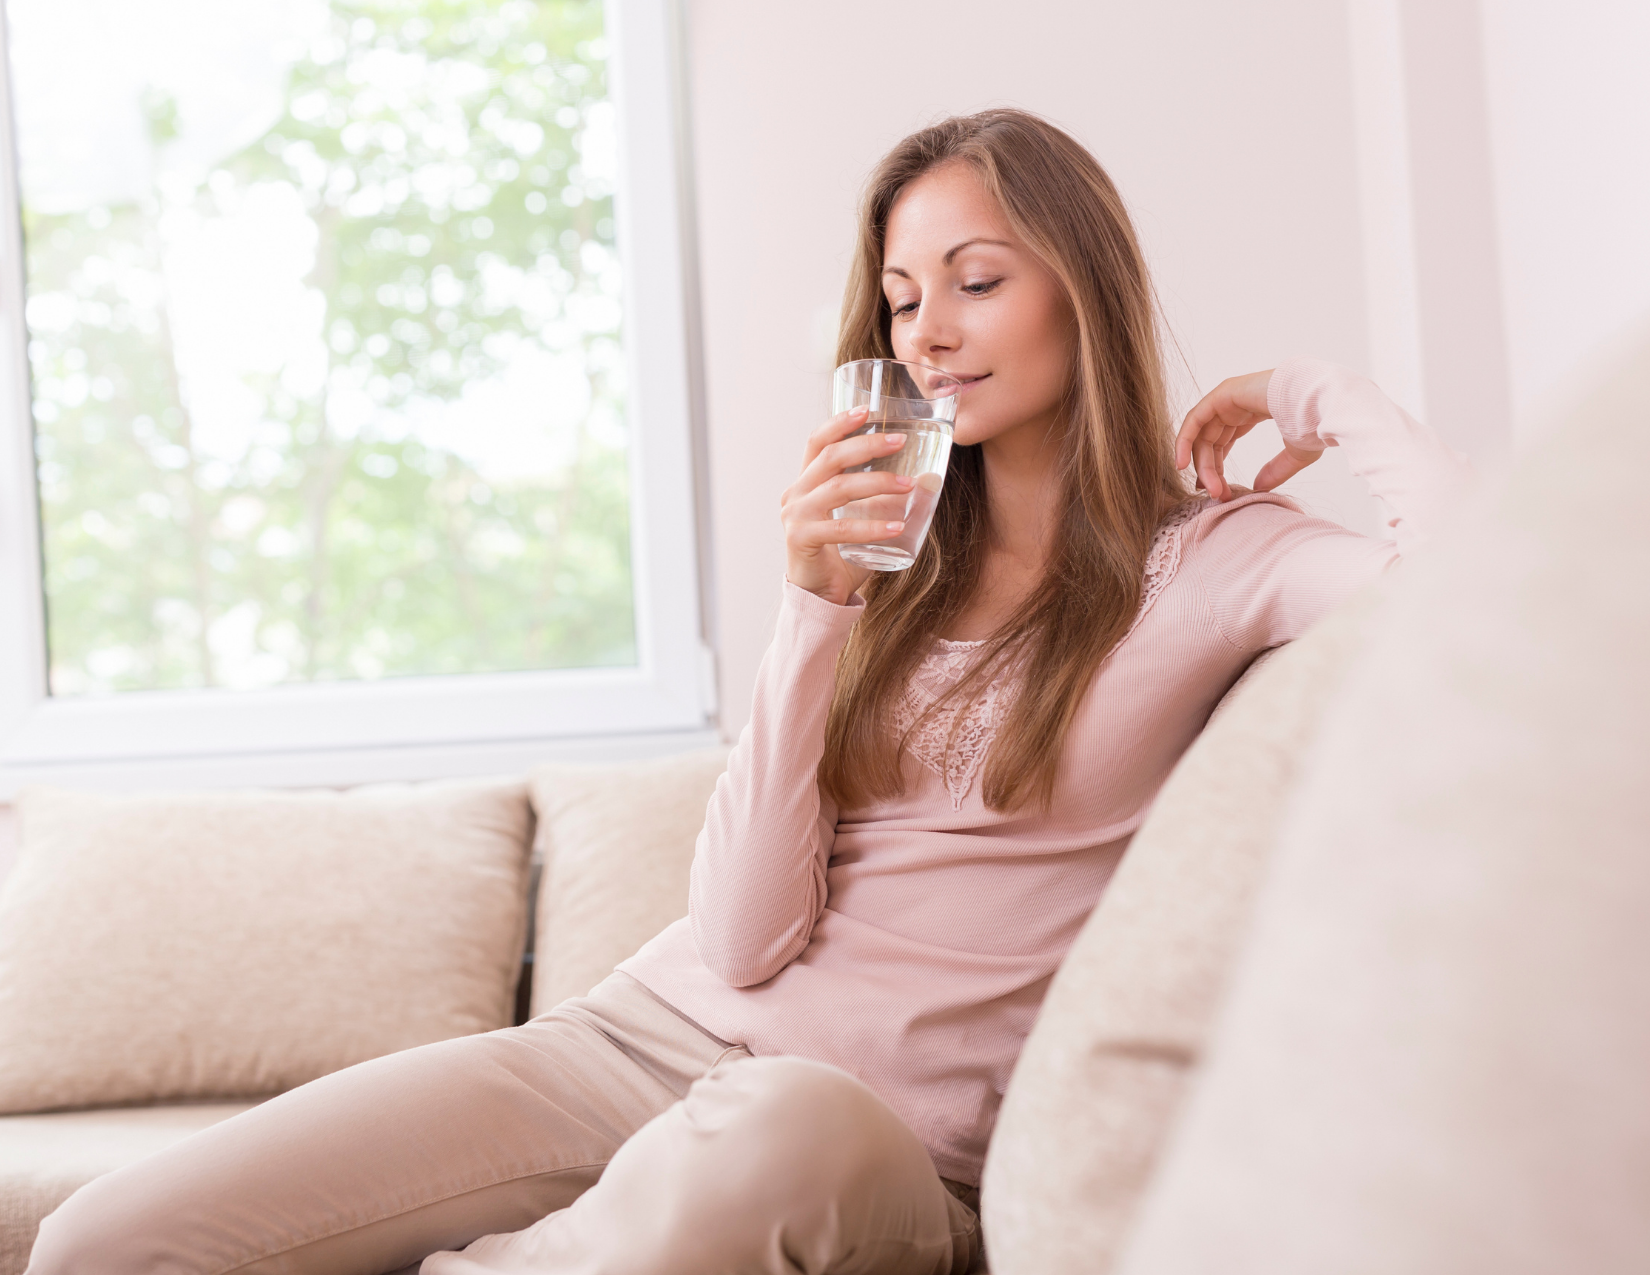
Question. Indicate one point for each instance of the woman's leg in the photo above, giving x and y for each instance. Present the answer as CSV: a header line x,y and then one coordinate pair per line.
x,y
373,1167
769,1166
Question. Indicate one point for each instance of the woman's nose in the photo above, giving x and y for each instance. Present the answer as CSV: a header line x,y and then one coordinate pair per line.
x,y
933,331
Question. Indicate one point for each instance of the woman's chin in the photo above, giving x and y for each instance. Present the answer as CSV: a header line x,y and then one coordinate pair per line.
x,y
969,433
977,423
974,427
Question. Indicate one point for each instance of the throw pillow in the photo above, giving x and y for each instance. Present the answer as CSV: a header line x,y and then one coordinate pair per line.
x,y
617,843
225,944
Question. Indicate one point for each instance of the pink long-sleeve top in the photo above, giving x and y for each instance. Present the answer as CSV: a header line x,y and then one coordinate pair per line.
x,y
910,941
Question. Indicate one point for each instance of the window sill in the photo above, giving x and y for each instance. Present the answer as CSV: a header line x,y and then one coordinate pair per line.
x,y
346,767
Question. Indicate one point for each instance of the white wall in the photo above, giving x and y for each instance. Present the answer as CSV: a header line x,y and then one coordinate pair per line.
x,y
1451,199
8,839
1569,96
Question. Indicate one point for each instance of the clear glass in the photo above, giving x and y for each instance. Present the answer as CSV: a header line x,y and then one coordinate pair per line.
x,y
921,403
324,327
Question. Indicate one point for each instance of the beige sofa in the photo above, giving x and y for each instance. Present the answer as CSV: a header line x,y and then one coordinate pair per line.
x,y
167,959
1370,992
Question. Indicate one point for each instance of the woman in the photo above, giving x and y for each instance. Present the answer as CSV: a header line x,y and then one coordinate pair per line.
x,y
942,770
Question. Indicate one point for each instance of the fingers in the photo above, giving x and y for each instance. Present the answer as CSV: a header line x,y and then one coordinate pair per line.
x,y
836,492
839,426
1209,451
841,531
1211,474
1282,467
847,453
870,492
1196,421
1238,404
811,533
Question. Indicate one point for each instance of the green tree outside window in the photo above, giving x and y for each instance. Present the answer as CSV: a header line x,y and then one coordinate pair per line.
x,y
419,464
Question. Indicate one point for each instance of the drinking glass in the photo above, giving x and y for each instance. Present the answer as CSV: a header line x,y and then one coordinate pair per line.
x,y
921,403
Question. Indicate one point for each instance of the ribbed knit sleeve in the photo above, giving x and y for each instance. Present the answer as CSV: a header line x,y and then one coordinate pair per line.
x,y
1268,571
758,881
1406,465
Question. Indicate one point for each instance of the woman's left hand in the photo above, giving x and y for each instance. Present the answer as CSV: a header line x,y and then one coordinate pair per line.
x,y
1224,415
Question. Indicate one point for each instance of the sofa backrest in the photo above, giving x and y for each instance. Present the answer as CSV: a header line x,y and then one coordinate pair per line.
x,y
1108,1062
1434,1052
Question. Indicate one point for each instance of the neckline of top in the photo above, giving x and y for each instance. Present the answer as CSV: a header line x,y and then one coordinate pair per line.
x,y
1179,516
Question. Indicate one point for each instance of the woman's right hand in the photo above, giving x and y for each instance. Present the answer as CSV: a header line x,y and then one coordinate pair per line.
x,y
811,534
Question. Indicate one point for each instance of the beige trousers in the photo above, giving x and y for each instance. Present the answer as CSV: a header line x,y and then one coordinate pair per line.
x,y
611,1135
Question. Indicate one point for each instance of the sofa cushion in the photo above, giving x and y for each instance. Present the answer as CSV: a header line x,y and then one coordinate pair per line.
x,y
217,945
1104,1068
44,1159
1435,1052
617,843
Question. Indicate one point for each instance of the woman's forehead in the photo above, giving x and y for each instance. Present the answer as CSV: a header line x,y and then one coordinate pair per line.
x,y
943,209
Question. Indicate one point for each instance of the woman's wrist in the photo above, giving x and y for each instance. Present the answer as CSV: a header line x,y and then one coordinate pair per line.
x,y
1292,398
825,602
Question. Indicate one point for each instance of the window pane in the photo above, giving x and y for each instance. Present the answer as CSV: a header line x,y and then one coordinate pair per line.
x,y
325,337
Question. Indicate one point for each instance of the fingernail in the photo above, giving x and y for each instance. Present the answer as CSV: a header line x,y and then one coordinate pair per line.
x,y
898,441
858,411
896,526
902,481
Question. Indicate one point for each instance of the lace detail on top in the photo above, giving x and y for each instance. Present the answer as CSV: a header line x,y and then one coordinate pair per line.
x,y
1163,559
955,749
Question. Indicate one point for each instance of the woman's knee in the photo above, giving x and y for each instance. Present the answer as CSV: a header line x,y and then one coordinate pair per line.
x,y
768,1152
792,1129
93,1232
790,1109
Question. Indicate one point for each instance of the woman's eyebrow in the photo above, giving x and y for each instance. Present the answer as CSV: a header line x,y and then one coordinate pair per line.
x,y
969,243
952,255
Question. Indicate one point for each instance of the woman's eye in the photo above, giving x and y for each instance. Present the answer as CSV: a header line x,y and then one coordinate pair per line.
x,y
910,307
980,289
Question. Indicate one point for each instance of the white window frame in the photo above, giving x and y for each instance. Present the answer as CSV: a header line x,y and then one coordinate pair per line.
x,y
413,727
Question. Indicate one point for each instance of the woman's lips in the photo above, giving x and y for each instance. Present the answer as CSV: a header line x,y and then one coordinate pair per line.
x,y
969,382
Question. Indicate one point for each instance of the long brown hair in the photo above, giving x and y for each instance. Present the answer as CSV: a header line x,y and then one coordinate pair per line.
x,y
1117,470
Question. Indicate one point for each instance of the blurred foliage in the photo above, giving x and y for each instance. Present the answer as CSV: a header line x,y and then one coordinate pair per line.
x,y
436,146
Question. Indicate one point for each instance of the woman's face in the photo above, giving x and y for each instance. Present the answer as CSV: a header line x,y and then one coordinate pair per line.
x,y
969,297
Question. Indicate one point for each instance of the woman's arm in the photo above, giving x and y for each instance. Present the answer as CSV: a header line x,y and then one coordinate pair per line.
x,y
1318,405
1269,571
1407,466
758,882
